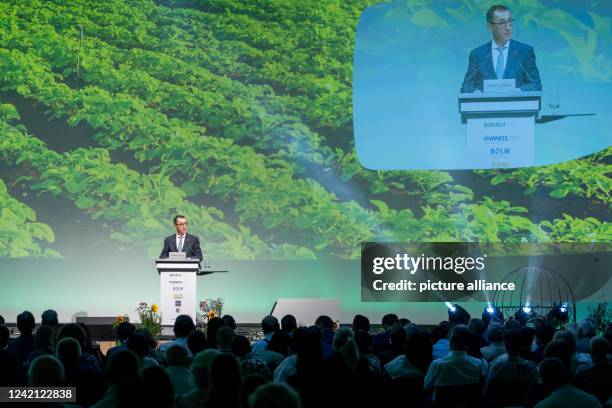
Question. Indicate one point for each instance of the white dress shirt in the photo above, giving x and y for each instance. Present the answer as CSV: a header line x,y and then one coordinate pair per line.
x,y
495,54
177,241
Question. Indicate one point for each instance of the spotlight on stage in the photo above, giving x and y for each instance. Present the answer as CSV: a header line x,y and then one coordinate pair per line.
x,y
559,313
492,312
457,314
524,313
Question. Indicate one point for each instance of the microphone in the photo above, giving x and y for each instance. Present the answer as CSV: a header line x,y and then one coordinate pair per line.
x,y
484,61
515,54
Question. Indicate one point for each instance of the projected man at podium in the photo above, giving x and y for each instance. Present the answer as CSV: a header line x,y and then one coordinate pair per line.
x,y
182,241
511,63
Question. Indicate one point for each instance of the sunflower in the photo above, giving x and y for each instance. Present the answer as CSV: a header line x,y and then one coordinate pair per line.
x,y
154,308
120,319
211,314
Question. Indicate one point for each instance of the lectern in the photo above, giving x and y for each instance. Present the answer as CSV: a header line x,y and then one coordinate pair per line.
x,y
500,128
177,287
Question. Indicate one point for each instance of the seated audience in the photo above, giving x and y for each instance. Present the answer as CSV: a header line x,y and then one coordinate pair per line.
x,y
200,372
225,383
578,360
121,368
269,326
250,363
46,371
142,343
382,341
274,396
25,343
457,371
598,377
543,335
510,374
225,336
277,350
364,344
397,340
439,338
87,380
555,379
587,329
49,318
288,324
44,343
124,332
196,342
10,365
177,360
183,326
496,347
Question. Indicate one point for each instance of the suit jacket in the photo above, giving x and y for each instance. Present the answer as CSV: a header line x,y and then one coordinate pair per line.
x,y
191,246
521,66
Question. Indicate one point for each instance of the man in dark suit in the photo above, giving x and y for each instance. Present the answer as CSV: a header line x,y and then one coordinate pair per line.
x,y
502,57
182,241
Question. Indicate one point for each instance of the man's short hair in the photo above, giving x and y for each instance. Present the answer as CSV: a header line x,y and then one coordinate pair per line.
x,y
25,322
553,372
46,370
225,336
176,217
229,321
122,366
512,341
68,351
288,323
183,325
568,337
599,348
324,322
49,318
269,324
587,327
125,330
389,319
459,337
177,356
361,322
491,11
274,395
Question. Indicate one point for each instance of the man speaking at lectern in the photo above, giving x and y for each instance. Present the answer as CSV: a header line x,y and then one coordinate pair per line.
x,y
502,57
182,241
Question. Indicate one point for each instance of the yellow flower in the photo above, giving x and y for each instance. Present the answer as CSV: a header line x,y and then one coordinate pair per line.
x,y
154,308
211,314
120,319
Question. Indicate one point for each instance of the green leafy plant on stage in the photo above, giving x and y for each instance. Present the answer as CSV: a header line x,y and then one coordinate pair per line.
x,y
601,312
150,318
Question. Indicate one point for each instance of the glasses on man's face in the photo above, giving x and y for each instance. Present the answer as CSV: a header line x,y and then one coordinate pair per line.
x,y
502,23
181,223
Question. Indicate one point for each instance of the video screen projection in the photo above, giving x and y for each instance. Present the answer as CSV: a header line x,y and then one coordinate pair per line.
x,y
117,115
414,59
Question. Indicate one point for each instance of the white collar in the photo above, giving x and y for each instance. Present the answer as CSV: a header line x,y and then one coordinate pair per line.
x,y
494,45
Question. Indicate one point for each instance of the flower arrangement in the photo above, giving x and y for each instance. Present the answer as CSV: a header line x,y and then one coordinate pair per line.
x,y
120,319
150,318
210,308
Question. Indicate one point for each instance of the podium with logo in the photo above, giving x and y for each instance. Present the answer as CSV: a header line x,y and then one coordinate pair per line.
x,y
500,128
177,286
